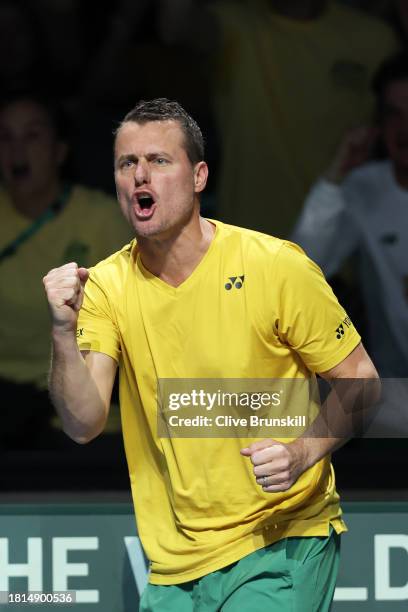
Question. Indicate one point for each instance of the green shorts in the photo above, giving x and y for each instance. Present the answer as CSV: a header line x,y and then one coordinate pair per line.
x,y
292,575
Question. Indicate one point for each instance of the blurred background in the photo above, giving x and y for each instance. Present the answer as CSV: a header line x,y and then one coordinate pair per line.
x,y
304,108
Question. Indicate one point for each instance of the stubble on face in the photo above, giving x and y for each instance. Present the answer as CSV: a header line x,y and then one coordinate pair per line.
x,y
151,160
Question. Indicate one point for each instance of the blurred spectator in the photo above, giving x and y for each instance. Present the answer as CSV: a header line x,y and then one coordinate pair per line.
x,y
362,207
46,222
289,77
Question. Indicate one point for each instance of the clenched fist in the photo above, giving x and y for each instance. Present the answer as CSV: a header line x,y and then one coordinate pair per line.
x,y
277,466
65,292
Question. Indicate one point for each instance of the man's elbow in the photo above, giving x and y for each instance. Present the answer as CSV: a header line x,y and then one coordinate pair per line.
x,y
83,436
82,439
366,369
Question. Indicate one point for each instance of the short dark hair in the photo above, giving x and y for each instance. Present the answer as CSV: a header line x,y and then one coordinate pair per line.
x,y
395,68
162,109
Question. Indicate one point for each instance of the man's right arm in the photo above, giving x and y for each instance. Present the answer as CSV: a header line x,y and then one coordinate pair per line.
x,y
80,384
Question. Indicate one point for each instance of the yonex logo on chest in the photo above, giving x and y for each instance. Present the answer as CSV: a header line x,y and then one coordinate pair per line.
x,y
234,281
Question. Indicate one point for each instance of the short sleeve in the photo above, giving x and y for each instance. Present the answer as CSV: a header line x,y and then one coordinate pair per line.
x,y
309,317
97,329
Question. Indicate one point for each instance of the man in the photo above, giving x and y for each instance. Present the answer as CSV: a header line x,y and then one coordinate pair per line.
x,y
288,77
45,222
361,206
227,523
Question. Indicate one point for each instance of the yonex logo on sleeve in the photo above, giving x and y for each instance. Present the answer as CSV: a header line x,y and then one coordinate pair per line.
x,y
340,329
235,281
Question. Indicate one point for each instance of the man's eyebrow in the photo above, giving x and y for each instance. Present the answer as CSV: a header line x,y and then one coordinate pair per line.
x,y
158,154
133,158
127,157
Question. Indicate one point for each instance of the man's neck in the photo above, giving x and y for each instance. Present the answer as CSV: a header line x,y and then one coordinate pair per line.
x,y
33,205
174,259
299,9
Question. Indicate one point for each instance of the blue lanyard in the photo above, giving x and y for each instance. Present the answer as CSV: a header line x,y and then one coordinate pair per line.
x,y
52,211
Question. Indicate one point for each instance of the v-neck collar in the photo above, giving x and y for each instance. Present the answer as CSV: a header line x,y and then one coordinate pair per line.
x,y
196,273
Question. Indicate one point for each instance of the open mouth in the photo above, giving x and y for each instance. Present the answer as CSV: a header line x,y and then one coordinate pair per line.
x,y
145,205
145,200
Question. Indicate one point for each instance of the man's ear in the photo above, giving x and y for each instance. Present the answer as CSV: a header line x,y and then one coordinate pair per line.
x,y
200,176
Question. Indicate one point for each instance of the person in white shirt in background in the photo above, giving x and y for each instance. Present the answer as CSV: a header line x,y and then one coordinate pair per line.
x,y
362,206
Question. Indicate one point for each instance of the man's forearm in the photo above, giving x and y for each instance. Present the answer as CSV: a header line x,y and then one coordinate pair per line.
x,y
344,415
73,391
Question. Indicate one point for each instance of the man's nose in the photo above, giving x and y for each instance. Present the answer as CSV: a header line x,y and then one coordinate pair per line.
x,y
142,172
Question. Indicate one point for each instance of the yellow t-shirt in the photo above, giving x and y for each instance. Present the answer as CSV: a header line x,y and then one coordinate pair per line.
x,y
197,504
284,93
86,230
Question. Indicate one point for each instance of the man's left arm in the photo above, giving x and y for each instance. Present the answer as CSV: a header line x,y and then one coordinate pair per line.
x,y
277,466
